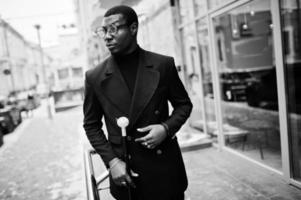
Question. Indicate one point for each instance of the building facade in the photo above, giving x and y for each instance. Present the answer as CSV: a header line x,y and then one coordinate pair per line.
x,y
240,61
89,12
21,67
69,60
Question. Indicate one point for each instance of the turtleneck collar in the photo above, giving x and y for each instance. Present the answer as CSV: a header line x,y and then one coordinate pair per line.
x,y
126,57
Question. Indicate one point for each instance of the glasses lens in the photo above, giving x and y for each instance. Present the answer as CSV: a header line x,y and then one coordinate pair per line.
x,y
112,29
100,32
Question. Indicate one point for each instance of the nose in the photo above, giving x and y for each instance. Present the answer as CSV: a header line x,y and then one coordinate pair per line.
x,y
107,36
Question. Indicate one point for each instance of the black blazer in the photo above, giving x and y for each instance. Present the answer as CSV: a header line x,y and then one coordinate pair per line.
x,y
161,170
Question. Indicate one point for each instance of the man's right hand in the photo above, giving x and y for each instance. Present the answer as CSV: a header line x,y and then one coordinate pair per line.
x,y
119,173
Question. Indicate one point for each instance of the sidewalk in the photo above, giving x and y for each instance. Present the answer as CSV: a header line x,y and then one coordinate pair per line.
x,y
216,175
220,175
45,162
44,159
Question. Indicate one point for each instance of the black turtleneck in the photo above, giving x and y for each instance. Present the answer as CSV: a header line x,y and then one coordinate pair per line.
x,y
128,65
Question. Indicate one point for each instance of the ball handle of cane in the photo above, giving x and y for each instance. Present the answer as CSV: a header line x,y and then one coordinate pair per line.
x,y
123,122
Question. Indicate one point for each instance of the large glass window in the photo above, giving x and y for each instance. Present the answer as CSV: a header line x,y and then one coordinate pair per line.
x,y
291,21
206,72
245,58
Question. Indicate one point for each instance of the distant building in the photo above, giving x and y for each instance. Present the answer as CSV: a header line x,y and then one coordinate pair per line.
x,y
20,62
70,60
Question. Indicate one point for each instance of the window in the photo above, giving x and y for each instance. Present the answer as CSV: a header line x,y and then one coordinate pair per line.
x,y
63,73
247,76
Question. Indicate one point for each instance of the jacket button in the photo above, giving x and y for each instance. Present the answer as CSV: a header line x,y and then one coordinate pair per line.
x,y
129,138
159,152
157,112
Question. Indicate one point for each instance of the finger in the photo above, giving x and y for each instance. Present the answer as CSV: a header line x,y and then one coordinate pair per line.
x,y
143,139
123,183
151,146
129,180
144,129
149,143
134,174
118,181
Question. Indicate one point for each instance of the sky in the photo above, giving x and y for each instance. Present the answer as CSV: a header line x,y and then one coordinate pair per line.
x,y
50,14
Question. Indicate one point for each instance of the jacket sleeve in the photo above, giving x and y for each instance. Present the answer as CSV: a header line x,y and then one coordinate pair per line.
x,y
179,99
92,124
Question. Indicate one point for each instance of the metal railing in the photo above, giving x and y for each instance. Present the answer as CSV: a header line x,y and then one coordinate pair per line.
x,y
92,183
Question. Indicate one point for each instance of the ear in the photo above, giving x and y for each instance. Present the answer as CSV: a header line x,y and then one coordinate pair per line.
x,y
134,28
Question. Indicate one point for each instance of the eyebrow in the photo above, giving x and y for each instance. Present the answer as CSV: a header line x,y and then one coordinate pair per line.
x,y
112,23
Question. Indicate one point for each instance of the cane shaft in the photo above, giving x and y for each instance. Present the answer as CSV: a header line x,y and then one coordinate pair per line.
x,y
123,122
126,160
123,132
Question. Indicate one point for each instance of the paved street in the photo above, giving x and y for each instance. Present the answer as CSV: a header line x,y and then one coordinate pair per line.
x,y
45,161
42,159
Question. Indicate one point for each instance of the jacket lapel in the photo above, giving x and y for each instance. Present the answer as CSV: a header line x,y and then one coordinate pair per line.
x,y
115,89
147,81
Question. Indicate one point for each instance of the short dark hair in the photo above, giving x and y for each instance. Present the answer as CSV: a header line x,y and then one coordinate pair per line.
x,y
129,14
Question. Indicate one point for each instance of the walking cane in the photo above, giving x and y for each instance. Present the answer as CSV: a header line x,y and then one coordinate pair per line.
x,y
123,122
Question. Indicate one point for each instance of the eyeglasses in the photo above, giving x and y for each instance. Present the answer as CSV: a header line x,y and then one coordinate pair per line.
x,y
112,29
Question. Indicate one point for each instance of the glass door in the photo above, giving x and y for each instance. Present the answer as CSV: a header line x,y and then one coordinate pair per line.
x,y
244,53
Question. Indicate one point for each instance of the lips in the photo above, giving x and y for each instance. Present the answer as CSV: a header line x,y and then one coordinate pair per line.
x,y
111,45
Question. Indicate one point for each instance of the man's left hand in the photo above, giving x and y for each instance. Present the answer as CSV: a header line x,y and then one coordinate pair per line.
x,y
155,136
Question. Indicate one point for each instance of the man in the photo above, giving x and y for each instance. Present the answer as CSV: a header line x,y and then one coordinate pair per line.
x,y
136,84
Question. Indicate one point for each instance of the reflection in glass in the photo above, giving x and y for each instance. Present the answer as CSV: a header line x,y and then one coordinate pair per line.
x,y
291,21
205,64
247,75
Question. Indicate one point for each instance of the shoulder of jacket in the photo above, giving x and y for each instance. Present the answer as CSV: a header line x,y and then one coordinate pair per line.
x,y
97,70
158,56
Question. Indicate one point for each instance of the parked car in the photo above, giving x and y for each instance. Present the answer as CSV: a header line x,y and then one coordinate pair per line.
x,y
10,116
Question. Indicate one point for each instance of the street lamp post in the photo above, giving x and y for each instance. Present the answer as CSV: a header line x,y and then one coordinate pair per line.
x,y
49,110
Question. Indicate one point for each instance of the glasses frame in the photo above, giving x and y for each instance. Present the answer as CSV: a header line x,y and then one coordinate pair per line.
x,y
112,29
